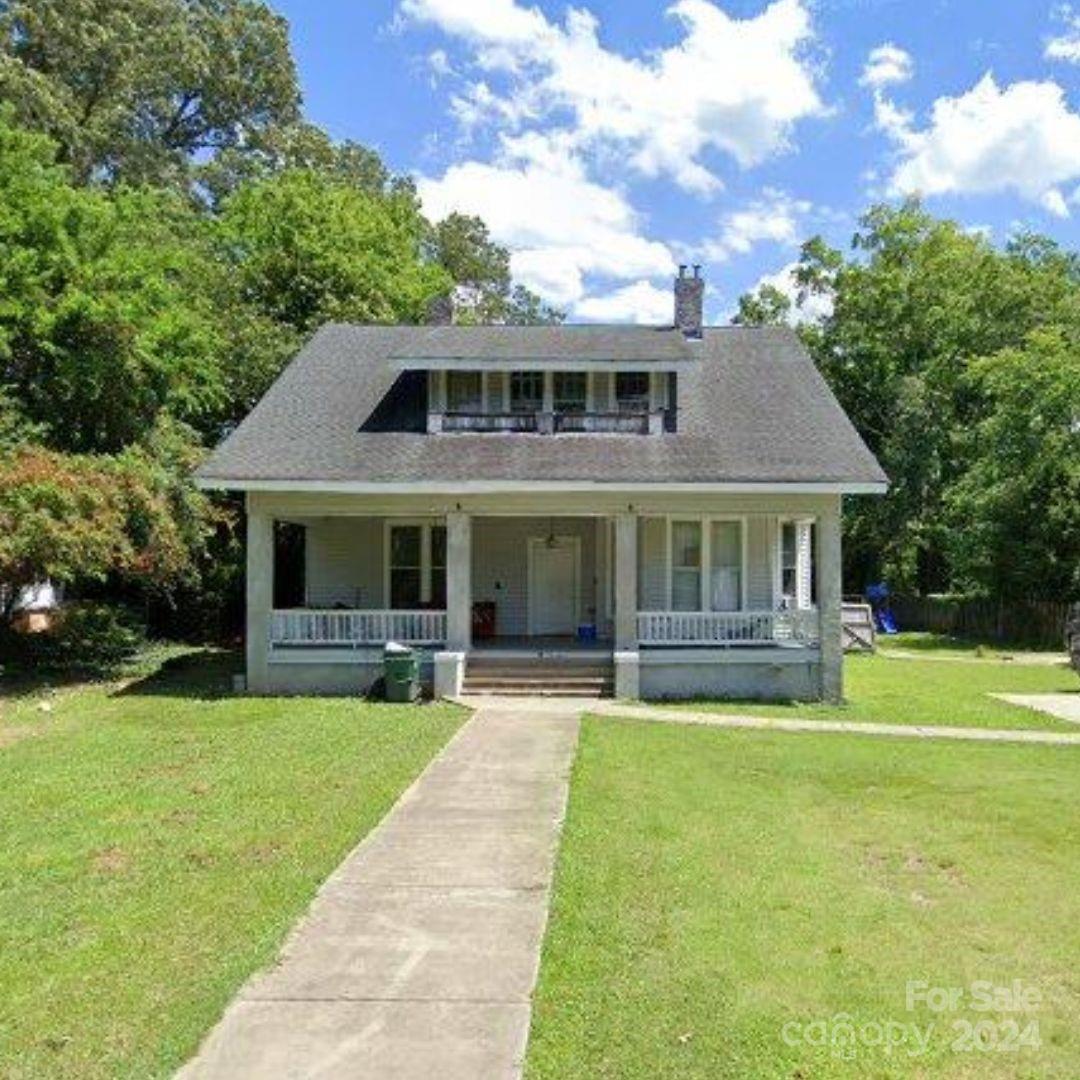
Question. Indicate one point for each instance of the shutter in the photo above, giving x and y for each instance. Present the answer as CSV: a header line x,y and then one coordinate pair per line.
x,y
804,565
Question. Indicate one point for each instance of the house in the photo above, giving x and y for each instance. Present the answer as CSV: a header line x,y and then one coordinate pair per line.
x,y
658,505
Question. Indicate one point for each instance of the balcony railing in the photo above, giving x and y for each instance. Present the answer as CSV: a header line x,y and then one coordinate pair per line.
x,y
635,422
462,421
605,423
794,627
353,628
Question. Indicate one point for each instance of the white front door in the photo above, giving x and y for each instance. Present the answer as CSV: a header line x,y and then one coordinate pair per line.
x,y
553,585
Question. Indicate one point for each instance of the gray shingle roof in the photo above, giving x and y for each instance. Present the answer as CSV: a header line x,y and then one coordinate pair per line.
x,y
752,408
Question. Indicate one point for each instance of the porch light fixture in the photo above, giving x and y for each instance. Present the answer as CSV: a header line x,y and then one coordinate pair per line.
x,y
552,541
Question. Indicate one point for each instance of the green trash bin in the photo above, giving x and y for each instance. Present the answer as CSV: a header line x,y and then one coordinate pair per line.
x,y
401,672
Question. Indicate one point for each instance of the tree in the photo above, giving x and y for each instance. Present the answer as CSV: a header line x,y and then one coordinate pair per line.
x,y
133,90
480,269
310,248
1014,516
914,308
766,307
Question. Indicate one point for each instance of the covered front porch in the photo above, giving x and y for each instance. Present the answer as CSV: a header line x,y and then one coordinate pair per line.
x,y
671,600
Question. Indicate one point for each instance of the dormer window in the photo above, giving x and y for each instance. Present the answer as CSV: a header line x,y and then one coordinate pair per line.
x,y
526,391
464,392
632,391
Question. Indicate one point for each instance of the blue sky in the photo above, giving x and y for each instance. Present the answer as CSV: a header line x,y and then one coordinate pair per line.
x,y
607,142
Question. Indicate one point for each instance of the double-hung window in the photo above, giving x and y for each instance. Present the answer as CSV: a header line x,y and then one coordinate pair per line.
x,y
416,566
725,573
685,565
707,553
571,391
464,392
795,571
632,391
526,391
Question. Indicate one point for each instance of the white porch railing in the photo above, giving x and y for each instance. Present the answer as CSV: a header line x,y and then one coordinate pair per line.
x,y
348,628
794,627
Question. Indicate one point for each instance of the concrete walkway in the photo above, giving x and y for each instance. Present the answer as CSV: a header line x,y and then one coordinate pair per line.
x,y
1063,706
793,724
418,957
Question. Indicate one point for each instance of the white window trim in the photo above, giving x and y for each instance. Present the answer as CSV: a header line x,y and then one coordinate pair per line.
x,y
778,559
425,525
706,522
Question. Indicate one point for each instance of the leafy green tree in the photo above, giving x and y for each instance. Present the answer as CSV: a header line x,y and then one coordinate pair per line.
x,y
133,90
766,307
914,307
480,268
1014,516
309,248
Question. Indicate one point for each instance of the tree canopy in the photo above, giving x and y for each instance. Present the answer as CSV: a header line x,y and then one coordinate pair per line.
x,y
926,318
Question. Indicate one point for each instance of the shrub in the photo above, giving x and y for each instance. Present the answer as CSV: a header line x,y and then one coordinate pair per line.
x,y
85,636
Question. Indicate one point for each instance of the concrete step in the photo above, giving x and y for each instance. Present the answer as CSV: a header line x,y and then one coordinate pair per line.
x,y
523,671
546,690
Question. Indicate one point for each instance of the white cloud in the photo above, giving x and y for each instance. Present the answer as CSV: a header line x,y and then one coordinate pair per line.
x,y
1023,138
737,86
1066,45
885,65
559,225
640,302
814,307
775,218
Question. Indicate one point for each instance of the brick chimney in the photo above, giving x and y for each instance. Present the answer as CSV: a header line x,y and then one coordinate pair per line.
x,y
689,301
440,310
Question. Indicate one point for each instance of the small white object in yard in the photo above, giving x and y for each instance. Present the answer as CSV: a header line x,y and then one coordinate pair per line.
x,y
45,706
396,648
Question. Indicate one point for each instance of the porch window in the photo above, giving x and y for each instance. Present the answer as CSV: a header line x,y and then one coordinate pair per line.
x,y
417,566
464,392
632,391
685,565
526,391
796,564
571,391
725,579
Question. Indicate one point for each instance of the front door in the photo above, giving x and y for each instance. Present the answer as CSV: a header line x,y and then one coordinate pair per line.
x,y
554,573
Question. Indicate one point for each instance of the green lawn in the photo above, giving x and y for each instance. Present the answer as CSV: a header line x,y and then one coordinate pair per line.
x,y
889,690
715,885
946,647
157,842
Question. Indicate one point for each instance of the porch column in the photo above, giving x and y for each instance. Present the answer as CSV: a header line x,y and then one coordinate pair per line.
x,y
625,582
830,575
260,597
458,581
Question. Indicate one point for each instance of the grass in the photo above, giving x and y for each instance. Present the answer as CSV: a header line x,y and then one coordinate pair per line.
x,y
946,646
882,689
713,886
158,841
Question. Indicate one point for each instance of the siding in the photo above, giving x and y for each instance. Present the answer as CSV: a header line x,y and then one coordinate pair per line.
x,y
496,382
345,562
602,389
500,565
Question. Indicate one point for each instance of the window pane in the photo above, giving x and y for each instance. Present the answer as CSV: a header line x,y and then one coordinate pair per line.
x,y
632,391
404,588
685,590
725,587
686,544
438,545
787,560
571,391
464,391
526,391
438,587
405,545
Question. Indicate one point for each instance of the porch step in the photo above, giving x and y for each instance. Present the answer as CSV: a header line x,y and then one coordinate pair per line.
x,y
539,678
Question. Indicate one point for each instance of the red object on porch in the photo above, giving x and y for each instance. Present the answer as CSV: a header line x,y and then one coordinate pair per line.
x,y
483,620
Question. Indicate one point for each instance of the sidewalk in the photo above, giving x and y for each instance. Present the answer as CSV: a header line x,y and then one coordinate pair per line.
x,y
419,955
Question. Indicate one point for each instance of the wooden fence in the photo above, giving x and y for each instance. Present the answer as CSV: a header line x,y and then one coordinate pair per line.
x,y
1039,623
